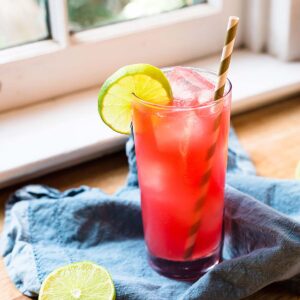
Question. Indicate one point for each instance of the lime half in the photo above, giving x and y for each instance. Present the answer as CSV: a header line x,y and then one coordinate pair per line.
x,y
115,97
82,280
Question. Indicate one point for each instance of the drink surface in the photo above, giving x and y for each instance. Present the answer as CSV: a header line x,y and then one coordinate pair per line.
x,y
171,146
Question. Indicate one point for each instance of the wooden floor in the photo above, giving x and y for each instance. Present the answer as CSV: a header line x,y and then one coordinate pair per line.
x,y
271,136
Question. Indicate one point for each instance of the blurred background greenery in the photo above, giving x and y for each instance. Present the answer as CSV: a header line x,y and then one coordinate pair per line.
x,y
24,21
85,14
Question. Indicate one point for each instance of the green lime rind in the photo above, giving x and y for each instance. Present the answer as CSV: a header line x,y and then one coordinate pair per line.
x,y
81,280
124,112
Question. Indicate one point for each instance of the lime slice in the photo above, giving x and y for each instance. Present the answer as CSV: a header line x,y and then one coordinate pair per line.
x,y
82,280
115,97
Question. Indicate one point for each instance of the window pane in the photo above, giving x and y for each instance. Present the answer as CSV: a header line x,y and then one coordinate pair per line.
x,y
22,21
84,14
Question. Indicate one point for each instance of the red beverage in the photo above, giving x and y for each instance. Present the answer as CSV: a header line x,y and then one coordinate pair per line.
x,y
173,144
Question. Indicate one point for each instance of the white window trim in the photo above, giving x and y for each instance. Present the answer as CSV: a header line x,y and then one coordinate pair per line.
x,y
59,22
43,70
284,36
65,131
273,26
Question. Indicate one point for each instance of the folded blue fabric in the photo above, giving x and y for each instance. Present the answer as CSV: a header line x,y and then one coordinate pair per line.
x,y
45,229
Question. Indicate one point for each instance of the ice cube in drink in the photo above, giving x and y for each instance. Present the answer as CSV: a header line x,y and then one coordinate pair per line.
x,y
172,144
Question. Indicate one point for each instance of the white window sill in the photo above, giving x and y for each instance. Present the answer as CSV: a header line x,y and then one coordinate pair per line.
x,y
58,133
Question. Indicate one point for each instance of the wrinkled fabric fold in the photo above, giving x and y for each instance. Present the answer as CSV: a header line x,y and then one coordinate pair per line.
x,y
45,229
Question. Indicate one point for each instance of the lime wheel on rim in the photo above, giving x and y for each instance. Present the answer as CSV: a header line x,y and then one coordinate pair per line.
x,y
115,97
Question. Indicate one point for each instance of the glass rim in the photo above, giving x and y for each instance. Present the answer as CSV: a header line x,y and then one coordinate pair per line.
x,y
185,108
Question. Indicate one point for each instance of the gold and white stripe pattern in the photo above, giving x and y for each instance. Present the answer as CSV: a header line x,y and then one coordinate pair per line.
x,y
226,56
204,181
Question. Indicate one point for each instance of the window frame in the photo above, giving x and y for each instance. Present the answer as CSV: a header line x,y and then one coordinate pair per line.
x,y
285,29
47,69
274,27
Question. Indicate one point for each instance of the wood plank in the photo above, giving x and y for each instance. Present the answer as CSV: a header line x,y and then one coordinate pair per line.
x,y
8,290
271,135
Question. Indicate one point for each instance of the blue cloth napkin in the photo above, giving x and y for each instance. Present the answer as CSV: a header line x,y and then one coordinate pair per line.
x,y
45,229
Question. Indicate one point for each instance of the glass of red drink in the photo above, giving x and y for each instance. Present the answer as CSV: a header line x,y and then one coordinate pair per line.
x,y
181,152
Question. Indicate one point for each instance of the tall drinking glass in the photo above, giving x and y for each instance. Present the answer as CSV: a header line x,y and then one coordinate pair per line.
x,y
181,159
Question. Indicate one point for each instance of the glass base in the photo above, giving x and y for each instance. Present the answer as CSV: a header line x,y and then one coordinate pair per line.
x,y
187,271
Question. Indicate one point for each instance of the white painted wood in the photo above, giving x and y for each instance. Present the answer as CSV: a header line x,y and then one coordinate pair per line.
x,y
279,28
273,25
54,134
284,35
257,24
12,56
40,74
59,22
294,36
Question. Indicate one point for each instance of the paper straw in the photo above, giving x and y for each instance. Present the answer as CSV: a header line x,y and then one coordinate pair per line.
x,y
226,56
204,181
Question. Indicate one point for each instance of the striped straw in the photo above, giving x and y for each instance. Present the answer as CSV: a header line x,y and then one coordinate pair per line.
x,y
204,181
226,56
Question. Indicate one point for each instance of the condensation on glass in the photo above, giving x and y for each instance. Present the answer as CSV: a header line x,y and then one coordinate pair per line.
x,y
84,14
22,21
